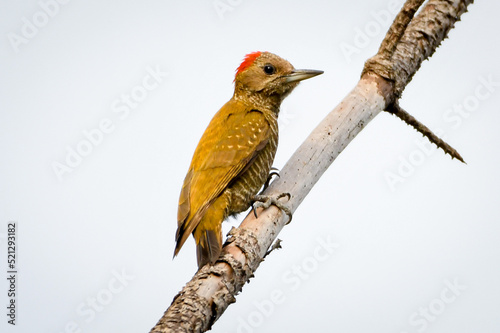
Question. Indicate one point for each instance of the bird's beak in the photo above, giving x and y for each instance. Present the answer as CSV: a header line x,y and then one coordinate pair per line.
x,y
301,74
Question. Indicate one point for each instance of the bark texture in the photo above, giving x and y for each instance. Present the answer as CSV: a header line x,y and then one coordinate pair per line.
x,y
409,41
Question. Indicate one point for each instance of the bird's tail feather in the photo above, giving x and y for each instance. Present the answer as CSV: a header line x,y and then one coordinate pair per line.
x,y
208,233
209,246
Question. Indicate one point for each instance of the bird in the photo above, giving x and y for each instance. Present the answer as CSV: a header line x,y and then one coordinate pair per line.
x,y
234,156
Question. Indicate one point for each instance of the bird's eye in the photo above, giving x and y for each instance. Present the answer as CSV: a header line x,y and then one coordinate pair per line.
x,y
269,69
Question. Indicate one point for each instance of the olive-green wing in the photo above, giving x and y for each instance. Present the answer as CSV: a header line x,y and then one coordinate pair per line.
x,y
228,146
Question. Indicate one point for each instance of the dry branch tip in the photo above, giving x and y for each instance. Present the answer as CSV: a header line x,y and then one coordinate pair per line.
x,y
399,112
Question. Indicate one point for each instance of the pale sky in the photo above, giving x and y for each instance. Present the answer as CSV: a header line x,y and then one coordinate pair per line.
x,y
103,104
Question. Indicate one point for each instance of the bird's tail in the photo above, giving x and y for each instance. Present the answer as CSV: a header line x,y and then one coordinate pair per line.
x,y
209,246
208,233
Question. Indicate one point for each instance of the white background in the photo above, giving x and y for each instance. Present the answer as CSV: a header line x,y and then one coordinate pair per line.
x,y
399,247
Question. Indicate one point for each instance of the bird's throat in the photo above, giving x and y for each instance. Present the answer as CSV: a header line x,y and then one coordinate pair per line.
x,y
260,101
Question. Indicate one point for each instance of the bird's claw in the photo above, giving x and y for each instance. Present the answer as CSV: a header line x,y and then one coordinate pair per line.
x,y
265,201
274,172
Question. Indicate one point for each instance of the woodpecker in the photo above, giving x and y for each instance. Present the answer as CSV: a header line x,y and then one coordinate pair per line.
x,y
235,154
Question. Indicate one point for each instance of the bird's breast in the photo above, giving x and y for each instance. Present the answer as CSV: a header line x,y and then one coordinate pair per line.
x,y
253,178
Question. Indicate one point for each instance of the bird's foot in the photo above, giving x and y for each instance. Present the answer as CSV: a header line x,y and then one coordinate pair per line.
x,y
265,201
274,172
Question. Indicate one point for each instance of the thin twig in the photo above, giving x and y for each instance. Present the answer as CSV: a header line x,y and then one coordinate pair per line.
x,y
399,112
276,246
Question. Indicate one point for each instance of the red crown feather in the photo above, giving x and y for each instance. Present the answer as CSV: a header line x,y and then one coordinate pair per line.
x,y
247,62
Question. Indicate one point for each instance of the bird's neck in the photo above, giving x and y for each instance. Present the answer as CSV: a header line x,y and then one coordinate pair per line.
x,y
259,101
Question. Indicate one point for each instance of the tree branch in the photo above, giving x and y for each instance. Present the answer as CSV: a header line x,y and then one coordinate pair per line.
x,y
400,56
203,300
399,112
398,27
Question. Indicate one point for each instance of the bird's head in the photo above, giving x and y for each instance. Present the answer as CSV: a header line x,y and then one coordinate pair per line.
x,y
269,76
